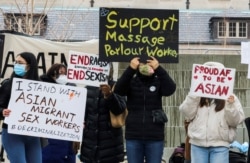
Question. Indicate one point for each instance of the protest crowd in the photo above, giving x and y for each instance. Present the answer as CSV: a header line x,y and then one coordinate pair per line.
x,y
75,111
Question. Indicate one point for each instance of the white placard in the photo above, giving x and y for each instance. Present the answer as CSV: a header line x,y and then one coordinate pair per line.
x,y
84,68
245,52
212,82
46,110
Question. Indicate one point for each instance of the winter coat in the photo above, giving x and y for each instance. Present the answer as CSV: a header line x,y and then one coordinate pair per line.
x,y
5,92
57,151
209,128
144,95
101,142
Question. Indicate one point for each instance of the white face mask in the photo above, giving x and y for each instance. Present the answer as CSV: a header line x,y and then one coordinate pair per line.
x,y
62,79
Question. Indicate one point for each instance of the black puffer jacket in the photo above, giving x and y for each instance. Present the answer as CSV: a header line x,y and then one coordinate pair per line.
x,y
5,91
101,142
144,94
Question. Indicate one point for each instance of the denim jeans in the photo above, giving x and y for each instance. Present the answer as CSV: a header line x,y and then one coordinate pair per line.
x,y
138,150
209,154
21,148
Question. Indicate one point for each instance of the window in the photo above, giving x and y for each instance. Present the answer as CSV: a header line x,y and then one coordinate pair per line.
x,y
31,25
242,29
222,29
232,28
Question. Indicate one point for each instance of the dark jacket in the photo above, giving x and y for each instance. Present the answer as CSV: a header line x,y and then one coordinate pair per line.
x,y
101,142
57,151
5,91
144,94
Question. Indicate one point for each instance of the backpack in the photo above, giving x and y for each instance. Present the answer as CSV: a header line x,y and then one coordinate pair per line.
x,y
178,154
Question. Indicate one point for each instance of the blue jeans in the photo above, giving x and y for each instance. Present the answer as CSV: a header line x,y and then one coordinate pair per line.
x,y
21,148
209,154
138,150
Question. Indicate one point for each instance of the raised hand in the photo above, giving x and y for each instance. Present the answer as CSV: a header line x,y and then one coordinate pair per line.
x,y
153,62
134,63
106,90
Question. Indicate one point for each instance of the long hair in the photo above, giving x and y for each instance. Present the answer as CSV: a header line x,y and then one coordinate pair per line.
x,y
32,72
219,104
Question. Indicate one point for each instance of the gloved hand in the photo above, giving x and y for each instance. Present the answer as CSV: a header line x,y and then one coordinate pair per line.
x,y
242,147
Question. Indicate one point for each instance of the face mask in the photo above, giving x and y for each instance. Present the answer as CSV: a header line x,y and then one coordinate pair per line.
x,y
146,70
19,70
62,79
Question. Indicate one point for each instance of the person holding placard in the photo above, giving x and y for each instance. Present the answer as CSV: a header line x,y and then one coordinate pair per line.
x,y
213,124
19,148
102,143
145,84
59,151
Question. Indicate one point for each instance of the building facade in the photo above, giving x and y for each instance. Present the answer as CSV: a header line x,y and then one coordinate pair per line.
x,y
205,27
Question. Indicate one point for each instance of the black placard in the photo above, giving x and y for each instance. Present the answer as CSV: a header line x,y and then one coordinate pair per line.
x,y
128,33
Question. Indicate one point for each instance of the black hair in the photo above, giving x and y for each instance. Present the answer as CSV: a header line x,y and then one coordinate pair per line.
x,y
220,104
53,71
32,72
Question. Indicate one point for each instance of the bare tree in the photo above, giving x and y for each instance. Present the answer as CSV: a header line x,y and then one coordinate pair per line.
x,y
23,18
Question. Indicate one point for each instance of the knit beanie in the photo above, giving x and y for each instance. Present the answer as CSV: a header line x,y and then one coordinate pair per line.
x,y
214,64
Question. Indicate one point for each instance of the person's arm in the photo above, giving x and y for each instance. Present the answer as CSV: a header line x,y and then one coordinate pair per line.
x,y
123,83
234,113
4,99
190,106
114,102
168,85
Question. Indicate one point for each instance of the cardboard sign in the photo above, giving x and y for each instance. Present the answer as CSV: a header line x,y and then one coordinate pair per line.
x,y
46,110
126,33
86,69
212,82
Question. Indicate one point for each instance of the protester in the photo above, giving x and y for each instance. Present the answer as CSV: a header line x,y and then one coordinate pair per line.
x,y
145,85
59,151
102,143
19,148
213,124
